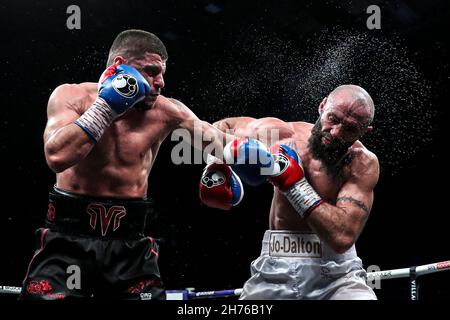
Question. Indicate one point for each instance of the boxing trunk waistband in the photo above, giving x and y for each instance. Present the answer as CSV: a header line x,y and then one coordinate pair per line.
x,y
99,217
304,245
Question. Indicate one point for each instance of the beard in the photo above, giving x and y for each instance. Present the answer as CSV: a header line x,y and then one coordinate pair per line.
x,y
332,156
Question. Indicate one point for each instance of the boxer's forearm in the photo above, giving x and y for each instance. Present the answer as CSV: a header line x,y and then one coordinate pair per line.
x,y
66,147
222,125
334,226
213,139
231,124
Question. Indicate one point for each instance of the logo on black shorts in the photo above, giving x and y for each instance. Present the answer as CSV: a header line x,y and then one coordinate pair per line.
x,y
51,212
213,179
125,85
98,211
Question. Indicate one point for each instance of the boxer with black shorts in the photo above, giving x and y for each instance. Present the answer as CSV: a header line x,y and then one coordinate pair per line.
x,y
101,140
324,179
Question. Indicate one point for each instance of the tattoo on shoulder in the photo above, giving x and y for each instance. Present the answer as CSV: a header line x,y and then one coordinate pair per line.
x,y
358,203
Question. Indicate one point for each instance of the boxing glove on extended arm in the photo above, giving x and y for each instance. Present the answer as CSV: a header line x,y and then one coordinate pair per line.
x,y
250,159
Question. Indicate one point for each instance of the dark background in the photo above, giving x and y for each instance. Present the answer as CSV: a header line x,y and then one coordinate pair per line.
x,y
226,58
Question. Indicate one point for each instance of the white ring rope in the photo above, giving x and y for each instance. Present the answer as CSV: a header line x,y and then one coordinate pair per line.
x,y
406,272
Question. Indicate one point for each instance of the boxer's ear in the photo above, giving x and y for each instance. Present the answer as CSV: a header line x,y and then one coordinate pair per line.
x,y
322,105
119,60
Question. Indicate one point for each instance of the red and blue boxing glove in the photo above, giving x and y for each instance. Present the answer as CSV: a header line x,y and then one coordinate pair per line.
x,y
289,177
250,159
120,87
220,187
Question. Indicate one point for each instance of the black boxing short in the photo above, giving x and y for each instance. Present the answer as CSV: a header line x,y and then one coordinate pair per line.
x,y
94,247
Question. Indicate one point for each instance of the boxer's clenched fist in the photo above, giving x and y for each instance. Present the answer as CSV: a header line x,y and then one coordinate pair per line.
x,y
120,88
220,187
250,158
289,177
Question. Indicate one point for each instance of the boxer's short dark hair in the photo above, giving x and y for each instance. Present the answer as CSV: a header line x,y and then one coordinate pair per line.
x,y
135,43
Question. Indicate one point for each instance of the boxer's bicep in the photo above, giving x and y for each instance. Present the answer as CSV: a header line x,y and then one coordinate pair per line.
x,y
356,199
357,191
350,198
183,118
60,110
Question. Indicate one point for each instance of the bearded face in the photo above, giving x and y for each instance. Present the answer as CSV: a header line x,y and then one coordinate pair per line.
x,y
331,154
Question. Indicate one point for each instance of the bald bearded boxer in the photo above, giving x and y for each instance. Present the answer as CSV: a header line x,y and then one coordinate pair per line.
x,y
101,140
324,180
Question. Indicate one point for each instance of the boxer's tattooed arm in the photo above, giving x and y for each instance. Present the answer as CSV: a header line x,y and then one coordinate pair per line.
x,y
358,203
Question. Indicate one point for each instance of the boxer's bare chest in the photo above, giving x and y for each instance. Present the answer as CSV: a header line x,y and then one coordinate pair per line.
x,y
131,140
120,162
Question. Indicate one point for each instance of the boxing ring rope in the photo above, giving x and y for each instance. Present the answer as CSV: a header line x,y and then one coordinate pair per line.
x,y
412,272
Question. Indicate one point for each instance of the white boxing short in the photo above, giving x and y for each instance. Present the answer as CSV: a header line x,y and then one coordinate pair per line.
x,y
298,265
